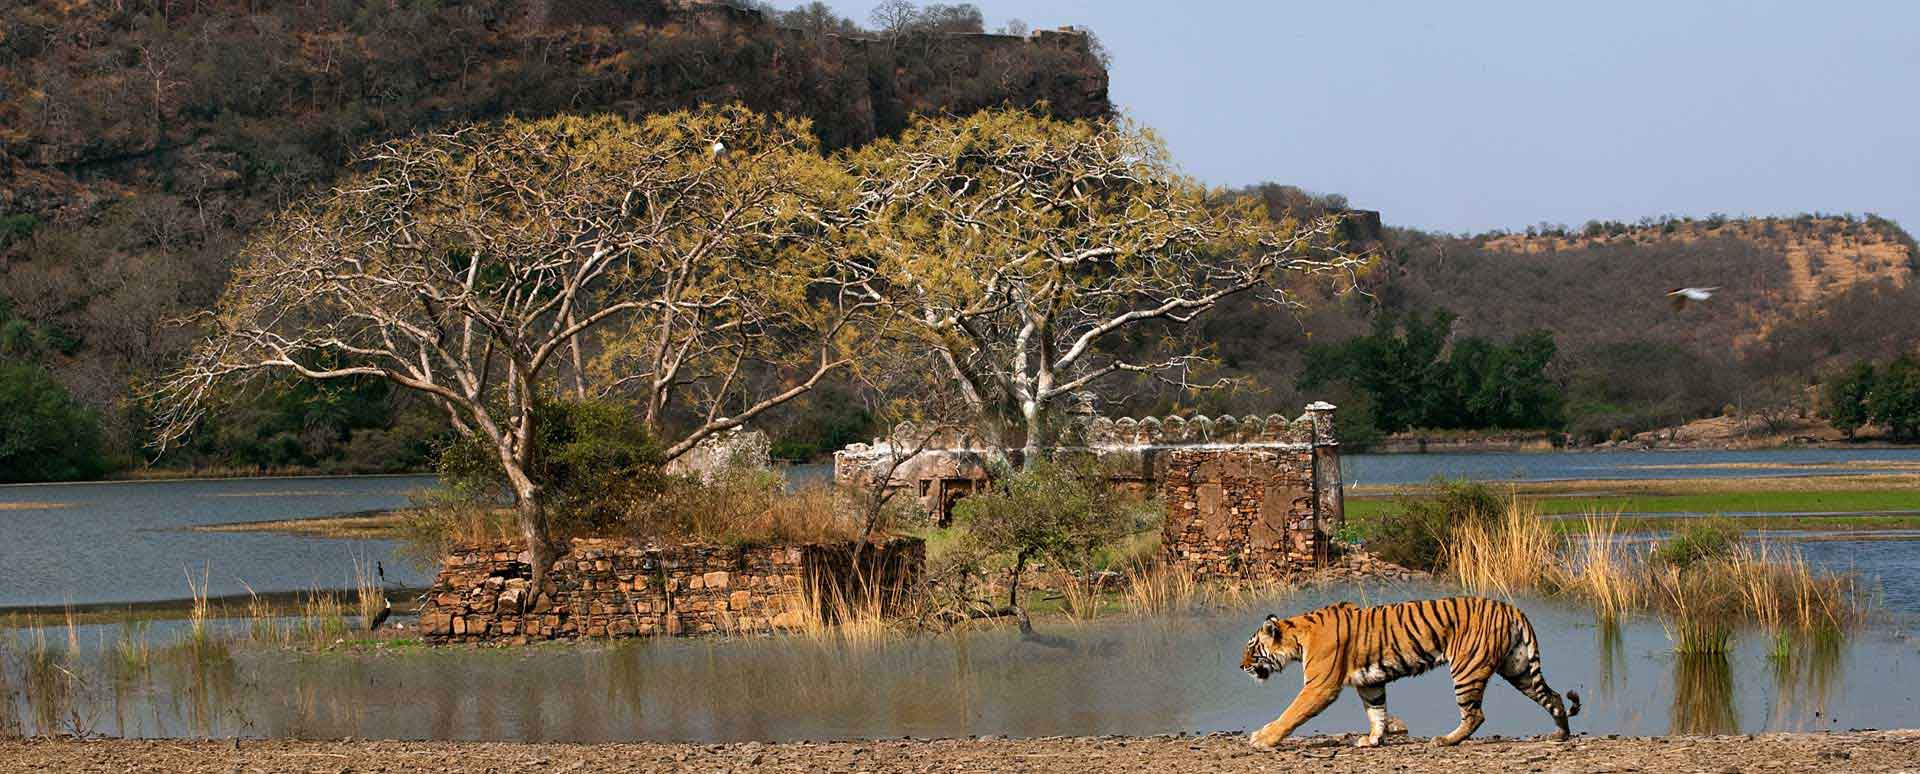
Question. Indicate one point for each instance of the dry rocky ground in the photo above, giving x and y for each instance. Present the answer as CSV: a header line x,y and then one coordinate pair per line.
x,y
1858,751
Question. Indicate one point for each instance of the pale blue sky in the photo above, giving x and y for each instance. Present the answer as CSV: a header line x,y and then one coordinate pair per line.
x,y
1466,116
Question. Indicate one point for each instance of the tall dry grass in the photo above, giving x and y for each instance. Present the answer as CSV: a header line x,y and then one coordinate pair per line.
x,y
369,596
1780,592
263,625
746,508
853,612
1602,574
323,619
1158,589
1081,595
1702,600
201,611
1699,611
1515,553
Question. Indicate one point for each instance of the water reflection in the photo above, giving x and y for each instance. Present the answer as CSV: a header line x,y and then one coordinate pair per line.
x,y
1703,695
1805,671
1124,676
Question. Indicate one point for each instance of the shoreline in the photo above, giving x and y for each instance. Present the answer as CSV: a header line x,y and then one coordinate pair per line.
x,y
1229,752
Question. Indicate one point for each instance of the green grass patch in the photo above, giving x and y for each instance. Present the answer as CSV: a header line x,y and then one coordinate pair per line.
x,y
1790,502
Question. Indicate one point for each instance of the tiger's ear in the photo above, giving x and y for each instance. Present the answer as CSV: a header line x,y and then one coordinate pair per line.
x,y
1272,624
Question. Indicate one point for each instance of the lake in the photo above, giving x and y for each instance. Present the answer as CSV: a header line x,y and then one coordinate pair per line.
x,y
126,541
1125,675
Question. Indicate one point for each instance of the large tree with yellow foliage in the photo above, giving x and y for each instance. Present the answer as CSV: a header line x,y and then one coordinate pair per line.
x,y
677,261
1021,247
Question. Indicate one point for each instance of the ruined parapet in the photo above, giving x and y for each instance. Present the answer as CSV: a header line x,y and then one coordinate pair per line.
x,y
735,448
1246,496
612,587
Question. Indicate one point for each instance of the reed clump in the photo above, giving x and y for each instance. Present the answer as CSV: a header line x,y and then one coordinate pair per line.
x,y
1513,551
323,619
197,635
369,594
851,611
1159,589
1704,581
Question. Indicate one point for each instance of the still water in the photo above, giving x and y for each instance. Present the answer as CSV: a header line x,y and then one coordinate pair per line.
x,y
1130,675
128,542
1389,469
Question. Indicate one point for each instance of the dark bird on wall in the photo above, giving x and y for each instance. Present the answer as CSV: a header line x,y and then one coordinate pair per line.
x,y
386,605
1681,296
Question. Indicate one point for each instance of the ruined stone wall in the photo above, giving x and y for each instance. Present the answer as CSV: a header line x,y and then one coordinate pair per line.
x,y
621,588
1241,513
1247,497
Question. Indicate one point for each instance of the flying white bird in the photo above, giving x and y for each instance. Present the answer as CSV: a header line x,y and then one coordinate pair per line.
x,y
719,149
1682,295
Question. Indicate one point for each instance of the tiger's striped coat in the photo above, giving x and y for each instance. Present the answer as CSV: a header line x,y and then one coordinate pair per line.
x,y
1342,644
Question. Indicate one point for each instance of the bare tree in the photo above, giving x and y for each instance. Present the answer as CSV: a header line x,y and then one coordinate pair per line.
x,y
1020,245
468,265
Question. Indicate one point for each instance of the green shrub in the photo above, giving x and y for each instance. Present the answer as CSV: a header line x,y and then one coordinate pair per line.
x,y
1417,537
593,459
1064,511
1705,539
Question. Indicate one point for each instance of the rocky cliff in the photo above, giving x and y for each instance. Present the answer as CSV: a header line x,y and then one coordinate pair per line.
x,y
141,141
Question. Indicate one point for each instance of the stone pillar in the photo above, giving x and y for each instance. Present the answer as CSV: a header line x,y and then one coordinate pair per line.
x,y
1330,506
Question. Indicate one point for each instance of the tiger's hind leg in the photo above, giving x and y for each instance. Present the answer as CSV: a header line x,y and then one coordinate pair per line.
x,y
1468,689
1374,697
1525,676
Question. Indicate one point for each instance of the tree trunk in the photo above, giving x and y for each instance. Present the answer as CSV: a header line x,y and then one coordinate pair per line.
x,y
532,516
1030,453
1013,590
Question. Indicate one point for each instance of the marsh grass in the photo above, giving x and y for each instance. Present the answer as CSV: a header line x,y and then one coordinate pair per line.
x,y
854,612
1513,552
322,619
1606,578
1699,610
263,625
1704,581
197,635
1159,589
368,594
132,651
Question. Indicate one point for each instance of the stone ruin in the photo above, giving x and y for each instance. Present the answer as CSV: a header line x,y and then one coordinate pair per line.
x,y
1246,497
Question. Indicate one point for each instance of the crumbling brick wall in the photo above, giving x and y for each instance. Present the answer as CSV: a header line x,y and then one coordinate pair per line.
x,y
621,588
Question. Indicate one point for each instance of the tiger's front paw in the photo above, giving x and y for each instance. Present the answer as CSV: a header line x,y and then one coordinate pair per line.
x,y
1264,739
1369,741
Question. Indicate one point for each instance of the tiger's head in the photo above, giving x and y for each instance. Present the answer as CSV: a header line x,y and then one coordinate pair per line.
x,y
1270,649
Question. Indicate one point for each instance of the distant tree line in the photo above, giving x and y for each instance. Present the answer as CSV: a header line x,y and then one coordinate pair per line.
x,y
1872,393
1415,373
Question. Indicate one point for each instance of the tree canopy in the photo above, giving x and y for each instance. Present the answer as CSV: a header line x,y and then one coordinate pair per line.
x,y
1019,246
1416,374
670,261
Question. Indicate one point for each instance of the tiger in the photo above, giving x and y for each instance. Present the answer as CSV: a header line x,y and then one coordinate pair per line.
x,y
1342,644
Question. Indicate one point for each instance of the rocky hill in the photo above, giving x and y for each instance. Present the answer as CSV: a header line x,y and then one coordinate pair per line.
x,y
1801,296
141,141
